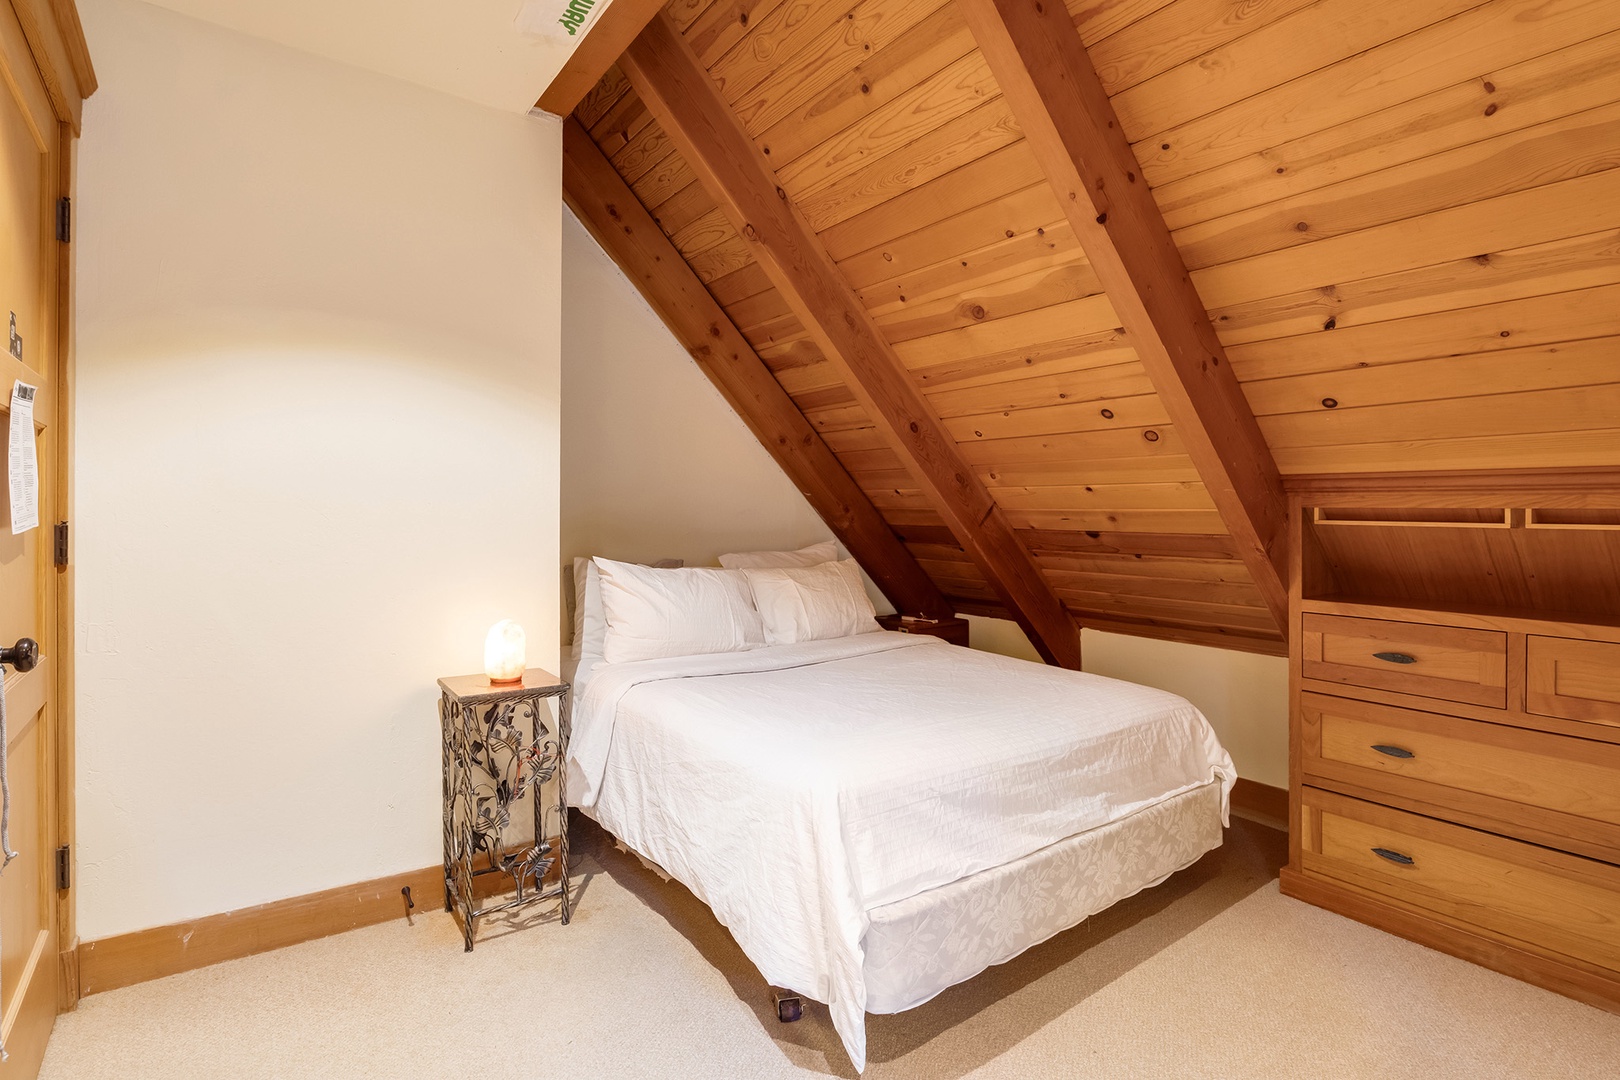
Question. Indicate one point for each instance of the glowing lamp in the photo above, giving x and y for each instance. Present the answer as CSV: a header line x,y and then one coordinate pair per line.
x,y
503,652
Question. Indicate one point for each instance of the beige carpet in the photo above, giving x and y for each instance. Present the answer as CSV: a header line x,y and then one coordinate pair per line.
x,y
1213,974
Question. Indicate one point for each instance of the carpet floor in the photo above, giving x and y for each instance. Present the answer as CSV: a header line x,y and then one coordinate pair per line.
x,y
1212,974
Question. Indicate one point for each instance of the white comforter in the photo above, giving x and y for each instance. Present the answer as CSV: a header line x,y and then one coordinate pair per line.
x,y
795,788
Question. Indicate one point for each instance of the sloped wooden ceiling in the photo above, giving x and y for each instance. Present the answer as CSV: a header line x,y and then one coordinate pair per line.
x,y
1401,220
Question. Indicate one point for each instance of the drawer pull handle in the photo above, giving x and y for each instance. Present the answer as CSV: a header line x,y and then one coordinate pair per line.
x,y
1393,751
1395,657
1392,856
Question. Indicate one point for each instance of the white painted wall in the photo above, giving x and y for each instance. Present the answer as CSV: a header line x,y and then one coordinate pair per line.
x,y
1244,695
318,451
655,463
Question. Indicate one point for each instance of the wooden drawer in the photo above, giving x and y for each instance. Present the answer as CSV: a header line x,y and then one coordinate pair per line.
x,y
1551,789
1519,892
1574,679
1444,662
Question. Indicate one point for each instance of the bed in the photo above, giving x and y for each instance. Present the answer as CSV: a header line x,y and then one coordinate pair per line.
x,y
878,816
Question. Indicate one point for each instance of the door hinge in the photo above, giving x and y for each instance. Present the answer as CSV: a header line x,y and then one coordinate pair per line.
x,y
64,868
64,220
61,540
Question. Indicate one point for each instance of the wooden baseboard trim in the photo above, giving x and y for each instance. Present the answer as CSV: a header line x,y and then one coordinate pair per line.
x,y
1261,802
1579,982
126,959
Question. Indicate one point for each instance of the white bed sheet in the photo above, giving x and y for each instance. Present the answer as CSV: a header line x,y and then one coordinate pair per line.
x,y
794,788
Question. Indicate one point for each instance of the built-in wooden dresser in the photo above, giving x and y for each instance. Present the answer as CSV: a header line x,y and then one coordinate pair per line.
x,y
1455,651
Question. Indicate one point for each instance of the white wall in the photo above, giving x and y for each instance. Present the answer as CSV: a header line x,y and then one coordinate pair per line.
x,y
1244,695
655,462
318,450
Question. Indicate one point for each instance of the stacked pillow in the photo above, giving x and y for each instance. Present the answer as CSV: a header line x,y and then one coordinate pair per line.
x,y
625,612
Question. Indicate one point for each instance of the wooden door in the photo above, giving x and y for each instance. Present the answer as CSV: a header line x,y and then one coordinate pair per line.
x,y
32,276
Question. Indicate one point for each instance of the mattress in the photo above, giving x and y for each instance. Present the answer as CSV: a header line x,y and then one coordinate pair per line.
x,y
799,789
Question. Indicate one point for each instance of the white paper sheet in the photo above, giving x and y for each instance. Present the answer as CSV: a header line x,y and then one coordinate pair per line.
x,y
22,465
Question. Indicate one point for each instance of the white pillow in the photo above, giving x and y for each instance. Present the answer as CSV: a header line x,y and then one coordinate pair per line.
x,y
812,602
824,552
657,613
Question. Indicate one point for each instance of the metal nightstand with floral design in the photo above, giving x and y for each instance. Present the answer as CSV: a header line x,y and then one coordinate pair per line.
x,y
500,743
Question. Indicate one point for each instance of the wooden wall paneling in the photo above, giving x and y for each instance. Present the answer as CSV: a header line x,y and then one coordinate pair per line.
x,y
1043,69
1492,277
600,198
1482,39
1520,95
595,53
689,106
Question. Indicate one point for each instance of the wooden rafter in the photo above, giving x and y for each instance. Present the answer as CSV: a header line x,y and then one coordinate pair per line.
x,y
615,28
624,228
1041,65
687,105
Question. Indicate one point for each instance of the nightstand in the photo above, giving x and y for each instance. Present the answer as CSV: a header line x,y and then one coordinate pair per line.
x,y
490,762
954,631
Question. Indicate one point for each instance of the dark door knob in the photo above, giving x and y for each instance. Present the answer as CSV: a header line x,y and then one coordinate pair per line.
x,y
23,656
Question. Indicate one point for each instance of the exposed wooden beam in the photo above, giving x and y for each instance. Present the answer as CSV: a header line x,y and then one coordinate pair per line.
x,y
687,105
1039,61
615,28
627,232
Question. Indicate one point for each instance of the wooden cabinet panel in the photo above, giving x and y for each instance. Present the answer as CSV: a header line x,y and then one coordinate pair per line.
x,y
1549,788
1443,662
1574,679
1526,893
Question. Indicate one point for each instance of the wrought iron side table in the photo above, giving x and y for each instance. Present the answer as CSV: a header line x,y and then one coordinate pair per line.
x,y
490,763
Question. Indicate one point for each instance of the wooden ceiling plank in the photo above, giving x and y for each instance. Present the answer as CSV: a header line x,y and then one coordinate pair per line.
x,y
1046,542
615,28
1472,282
1042,66
1520,160
624,228
689,107
1477,42
1560,83
881,74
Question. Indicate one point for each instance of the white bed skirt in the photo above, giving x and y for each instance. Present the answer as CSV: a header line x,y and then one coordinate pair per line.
x,y
918,947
